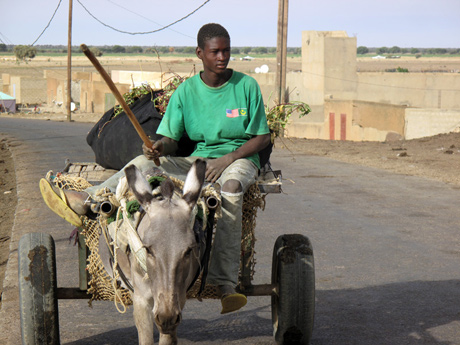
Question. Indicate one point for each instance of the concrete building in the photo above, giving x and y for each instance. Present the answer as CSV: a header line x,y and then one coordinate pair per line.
x,y
26,91
351,105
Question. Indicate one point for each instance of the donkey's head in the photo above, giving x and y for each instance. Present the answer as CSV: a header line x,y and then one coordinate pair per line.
x,y
167,234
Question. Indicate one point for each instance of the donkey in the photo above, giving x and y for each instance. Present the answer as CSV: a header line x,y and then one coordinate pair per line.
x,y
173,254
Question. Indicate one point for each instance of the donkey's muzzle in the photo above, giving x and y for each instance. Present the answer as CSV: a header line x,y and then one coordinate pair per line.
x,y
168,322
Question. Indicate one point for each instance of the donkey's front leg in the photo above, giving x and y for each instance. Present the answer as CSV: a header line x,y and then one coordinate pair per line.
x,y
168,339
143,318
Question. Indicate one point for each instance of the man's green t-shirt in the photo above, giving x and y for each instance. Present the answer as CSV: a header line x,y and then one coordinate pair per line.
x,y
220,119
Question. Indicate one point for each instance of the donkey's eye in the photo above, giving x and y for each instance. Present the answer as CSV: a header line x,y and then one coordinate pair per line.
x,y
150,252
188,252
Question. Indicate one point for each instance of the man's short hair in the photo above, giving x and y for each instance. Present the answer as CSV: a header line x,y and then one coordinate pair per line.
x,y
209,31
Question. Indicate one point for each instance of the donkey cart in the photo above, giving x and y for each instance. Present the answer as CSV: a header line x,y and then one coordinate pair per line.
x,y
292,287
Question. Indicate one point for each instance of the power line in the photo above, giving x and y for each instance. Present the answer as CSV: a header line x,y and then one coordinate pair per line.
x,y
146,32
59,4
148,19
8,41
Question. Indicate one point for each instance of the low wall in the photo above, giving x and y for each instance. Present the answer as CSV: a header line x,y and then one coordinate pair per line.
x,y
24,90
350,120
421,123
156,80
421,90
96,97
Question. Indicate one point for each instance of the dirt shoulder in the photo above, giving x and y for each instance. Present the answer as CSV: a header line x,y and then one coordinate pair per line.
x,y
436,157
8,201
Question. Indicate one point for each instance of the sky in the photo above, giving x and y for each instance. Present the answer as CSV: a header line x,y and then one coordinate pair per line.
x,y
375,23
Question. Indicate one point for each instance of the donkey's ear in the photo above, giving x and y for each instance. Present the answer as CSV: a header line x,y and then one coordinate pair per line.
x,y
194,182
138,184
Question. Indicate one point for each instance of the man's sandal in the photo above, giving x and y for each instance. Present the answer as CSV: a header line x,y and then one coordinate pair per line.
x,y
58,203
233,302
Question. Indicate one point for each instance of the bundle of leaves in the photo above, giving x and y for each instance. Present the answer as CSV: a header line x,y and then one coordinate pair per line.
x,y
279,114
131,96
163,97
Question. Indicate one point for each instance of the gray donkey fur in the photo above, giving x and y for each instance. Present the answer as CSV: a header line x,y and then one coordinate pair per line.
x,y
173,254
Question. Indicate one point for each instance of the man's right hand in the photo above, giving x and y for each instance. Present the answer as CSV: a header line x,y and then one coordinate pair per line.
x,y
154,152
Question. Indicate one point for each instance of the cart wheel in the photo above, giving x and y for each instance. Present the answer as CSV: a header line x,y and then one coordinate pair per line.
x,y
293,306
37,289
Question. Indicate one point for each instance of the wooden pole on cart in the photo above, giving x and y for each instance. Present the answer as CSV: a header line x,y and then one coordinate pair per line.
x,y
119,97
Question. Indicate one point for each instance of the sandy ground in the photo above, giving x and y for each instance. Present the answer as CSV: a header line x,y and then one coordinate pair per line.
x,y
8,201
436,158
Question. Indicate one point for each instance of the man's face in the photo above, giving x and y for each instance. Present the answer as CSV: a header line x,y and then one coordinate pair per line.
x,y
215,55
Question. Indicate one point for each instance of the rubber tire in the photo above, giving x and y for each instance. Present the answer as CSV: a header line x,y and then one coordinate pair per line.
x,y
293,306
38,302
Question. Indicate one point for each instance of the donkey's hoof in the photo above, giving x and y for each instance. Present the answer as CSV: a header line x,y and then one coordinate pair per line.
x,y
233,302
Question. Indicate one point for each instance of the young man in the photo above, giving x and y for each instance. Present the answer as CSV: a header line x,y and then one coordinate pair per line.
x,y
223,111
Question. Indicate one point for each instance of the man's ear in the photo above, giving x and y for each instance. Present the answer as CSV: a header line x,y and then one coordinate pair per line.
x,y
198,52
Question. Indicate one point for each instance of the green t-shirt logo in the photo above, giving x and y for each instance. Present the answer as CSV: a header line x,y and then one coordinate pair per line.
x,y
237,112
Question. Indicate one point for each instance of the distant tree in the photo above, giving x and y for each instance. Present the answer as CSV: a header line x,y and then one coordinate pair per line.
x,y
22,52
246,50
272,50
106,49
178,49
118,49
260,50
163,49
382,50
134,49
171,49
189,50
404,50
414,51
394,50
362,50
235,50
96,51
440,51
3,47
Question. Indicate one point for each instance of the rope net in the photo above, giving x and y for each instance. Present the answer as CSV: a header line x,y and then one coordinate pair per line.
x,y
104,287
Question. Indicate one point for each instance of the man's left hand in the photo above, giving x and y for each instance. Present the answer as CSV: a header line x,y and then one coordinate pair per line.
x,y
215,167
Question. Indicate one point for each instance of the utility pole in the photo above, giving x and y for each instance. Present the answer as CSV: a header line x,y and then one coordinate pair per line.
x,y
281,51
69,64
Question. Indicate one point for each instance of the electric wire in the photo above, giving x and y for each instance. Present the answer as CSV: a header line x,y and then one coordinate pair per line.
x,y
148,19
46,27
8,41
145,32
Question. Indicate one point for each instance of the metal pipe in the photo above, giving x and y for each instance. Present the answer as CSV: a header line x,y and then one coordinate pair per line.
x,y
212,202
107,208
259,290
71,293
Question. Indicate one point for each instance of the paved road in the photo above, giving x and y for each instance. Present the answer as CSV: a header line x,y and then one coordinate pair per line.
x,y
386,249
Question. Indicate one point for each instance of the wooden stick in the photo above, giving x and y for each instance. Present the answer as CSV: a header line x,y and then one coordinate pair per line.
x,y
119,97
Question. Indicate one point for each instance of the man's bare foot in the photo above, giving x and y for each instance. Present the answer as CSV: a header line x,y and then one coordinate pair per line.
x,y
76,200
70,206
